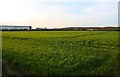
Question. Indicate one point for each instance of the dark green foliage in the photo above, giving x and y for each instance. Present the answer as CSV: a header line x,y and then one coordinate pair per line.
x,y
61,53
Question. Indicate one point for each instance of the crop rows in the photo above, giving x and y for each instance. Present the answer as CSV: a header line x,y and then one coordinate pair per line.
x,y
61,53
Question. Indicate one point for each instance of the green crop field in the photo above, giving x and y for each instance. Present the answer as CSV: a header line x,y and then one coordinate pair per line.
x,y
61,52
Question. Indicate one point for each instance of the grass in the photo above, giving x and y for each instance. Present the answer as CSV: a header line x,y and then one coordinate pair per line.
x,y
61,52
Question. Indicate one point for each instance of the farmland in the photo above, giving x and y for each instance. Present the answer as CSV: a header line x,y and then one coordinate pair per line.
x,y
61,52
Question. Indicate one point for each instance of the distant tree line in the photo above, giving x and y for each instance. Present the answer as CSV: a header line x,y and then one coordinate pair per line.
x,y
80,29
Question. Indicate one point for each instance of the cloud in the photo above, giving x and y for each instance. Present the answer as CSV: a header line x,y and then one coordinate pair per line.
x,y
76,0
14,10
54,14
98,14
103,13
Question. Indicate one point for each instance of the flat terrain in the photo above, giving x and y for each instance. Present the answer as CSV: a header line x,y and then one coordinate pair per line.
x,y
61,52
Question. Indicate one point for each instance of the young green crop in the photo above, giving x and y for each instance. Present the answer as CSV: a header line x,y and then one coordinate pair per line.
x,y
61,52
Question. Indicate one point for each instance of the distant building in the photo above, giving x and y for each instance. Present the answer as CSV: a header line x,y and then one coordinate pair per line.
x,y
5,27
90,29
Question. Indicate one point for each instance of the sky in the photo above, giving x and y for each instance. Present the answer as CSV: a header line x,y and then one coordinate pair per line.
x,y
59,13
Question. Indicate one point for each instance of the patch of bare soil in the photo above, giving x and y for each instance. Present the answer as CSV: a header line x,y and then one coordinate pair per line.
x,y
7,70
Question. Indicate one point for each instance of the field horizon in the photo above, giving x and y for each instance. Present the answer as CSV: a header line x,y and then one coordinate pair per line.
x,y
61,52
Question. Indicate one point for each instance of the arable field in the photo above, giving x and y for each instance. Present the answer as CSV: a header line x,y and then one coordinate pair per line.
x,y
61,52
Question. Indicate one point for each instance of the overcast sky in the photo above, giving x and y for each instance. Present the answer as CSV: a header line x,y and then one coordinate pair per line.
x,y
59,13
